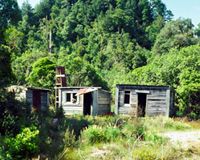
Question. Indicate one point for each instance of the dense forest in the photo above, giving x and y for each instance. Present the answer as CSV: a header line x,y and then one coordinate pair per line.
x,y
100,43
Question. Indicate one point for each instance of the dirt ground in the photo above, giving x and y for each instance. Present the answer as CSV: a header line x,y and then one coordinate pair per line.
x,y
187,141
184,138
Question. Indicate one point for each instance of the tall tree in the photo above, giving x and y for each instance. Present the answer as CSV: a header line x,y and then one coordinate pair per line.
x,y
10,14
5,66
175,34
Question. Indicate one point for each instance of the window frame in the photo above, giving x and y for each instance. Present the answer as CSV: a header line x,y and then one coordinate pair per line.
x,y
125,94
72,95
68,95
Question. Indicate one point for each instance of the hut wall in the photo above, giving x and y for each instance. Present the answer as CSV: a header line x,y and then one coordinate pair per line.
x,y
103,102
29,97
130,108
44,100
100,102
157,103
158,100
70,107
94,108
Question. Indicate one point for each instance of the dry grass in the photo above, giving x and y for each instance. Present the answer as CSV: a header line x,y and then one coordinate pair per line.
x,y
127,146
195,124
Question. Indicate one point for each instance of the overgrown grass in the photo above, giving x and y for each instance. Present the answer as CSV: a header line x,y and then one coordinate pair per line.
x,y
118,137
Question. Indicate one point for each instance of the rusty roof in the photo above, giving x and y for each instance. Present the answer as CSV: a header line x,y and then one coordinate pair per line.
x,y
86,90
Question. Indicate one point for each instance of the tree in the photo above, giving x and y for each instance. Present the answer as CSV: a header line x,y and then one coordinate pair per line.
x,y
28,11
175,34
179,69
13,39
10,14
43,73
21,65
43,9
160,9
5,66
81,73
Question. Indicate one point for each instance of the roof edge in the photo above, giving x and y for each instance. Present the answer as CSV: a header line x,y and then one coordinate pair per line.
x,y
135,85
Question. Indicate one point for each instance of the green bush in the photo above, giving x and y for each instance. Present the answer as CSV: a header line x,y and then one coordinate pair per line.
x,y
25,144
144,153
139,129
69,139
98,134
112,133
176,125
134,129
94,134
154,137
77,124
4,154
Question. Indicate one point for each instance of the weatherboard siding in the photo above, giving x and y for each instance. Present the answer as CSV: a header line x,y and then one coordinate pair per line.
x,y
100,102
158,100
103,102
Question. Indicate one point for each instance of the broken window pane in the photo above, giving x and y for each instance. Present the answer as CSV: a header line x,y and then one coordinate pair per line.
x,y
74,99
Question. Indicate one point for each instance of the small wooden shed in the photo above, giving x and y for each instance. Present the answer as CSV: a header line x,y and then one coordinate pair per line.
x,y
38,98
143,100
84,100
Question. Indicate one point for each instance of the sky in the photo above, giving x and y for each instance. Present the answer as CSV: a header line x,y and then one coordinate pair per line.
x,y
180,8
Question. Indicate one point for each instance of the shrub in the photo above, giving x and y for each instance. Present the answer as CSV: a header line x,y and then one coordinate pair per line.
x,y
154,137
69,139
25,144
77,124
140,129
144,153
94,134
108,121
4,154
112,133
171,124
98,134
128,130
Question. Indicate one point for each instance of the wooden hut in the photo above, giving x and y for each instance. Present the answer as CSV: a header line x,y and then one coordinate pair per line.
x,y
143,100
38,98
84,100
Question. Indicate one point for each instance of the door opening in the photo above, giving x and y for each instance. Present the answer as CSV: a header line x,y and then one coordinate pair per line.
x,y
87,103
142,98
36,99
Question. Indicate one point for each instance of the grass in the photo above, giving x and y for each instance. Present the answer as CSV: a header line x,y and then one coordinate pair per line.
x,y
123,138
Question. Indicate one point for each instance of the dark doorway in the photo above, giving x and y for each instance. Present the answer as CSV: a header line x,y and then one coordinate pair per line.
x,y
87,103
36,99
142,98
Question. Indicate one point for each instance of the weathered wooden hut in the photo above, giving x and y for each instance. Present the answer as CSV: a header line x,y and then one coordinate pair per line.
x,y
143,100
80,100
84,100
38,98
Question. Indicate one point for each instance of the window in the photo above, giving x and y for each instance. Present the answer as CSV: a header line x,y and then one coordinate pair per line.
x,y
127,97
71,98
68,97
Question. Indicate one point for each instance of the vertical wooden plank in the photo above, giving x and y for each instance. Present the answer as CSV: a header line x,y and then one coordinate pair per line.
x,y
167,102
95,107
60,97
81,101
117,101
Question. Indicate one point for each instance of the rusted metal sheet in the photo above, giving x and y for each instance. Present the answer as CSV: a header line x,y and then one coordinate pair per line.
x,y
86,90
